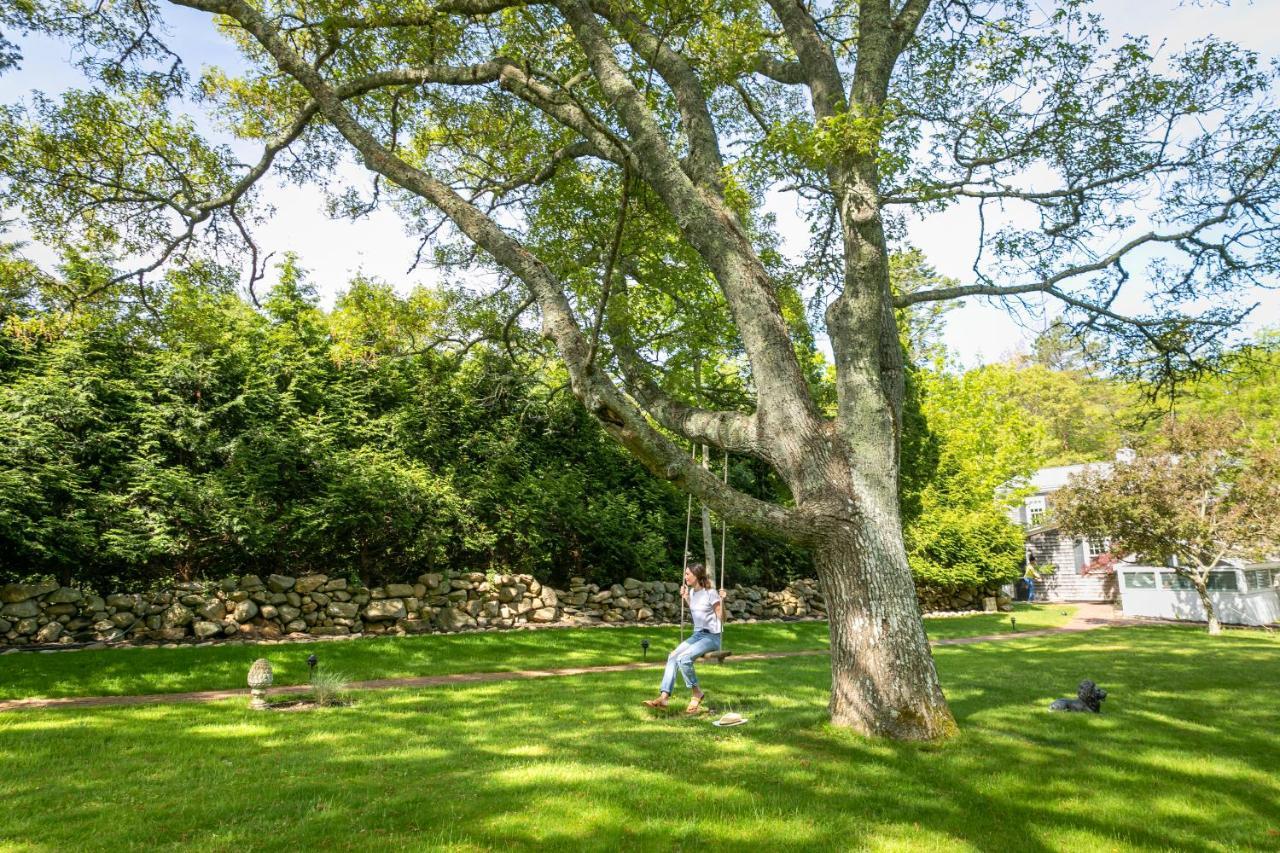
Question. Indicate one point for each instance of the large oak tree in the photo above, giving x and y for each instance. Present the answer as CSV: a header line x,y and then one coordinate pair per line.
x,y
611,162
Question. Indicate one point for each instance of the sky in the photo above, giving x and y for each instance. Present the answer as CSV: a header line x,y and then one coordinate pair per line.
x,y
336,250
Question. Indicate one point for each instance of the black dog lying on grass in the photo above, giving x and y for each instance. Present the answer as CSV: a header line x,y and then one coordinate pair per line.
x,y
1090,699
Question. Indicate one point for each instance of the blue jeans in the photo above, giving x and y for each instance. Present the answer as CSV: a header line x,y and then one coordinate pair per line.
x,y
683,657
1031,589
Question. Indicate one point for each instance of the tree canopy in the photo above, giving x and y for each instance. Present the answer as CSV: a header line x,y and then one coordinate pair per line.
x,y
610,162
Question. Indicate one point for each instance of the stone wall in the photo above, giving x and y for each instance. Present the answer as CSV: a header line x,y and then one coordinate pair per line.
x,y
940,601
318,606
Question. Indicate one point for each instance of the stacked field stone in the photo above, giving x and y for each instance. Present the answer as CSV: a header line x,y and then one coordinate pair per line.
x,y
316,605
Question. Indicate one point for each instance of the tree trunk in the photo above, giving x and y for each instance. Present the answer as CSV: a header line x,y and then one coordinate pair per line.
x,y
708,543
883,681
1202,589
708,538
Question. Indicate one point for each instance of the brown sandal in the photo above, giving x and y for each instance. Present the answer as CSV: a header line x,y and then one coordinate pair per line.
x,y
655,703
695,705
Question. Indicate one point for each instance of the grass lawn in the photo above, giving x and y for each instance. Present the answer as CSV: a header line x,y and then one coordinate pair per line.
x,y
1184,757
116,672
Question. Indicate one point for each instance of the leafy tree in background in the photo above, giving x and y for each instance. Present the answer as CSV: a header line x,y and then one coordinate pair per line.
x,y
202,437
1084,417
1087,413
1206,495
963,537
291,439
53,486
1243,389
611,162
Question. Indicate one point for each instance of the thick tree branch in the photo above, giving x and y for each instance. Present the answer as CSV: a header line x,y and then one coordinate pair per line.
x,y
597,393
878,47
817,62
714,231
511,77
732,431
907,21
727,430
656,162
452,75
430,17
705,161
783,71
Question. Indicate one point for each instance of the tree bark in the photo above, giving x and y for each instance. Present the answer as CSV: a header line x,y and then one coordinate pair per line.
x,y
883,680
708,542
708,537
1202,589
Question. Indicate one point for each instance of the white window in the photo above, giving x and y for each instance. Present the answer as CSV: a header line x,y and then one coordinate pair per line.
x,y
1087,550
1139,580
1035,510
1261,578
1223,581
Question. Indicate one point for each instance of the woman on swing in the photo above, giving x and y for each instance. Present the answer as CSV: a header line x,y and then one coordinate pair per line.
x,y
706,606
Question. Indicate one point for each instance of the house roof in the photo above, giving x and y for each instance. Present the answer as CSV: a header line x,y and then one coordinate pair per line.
x,y
1048,480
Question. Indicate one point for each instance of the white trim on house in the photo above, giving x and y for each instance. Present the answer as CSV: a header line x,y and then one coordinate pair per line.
x,y
1034,510
1240,596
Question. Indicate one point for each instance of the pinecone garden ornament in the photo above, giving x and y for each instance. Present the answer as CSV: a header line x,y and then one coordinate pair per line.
x,y
259,681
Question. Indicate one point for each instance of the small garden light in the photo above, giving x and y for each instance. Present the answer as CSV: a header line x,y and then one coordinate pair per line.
x,y
312,660
1013,622
644,644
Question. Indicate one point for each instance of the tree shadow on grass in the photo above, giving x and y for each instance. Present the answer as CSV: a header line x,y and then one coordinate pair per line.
x,y
131,671
1182,758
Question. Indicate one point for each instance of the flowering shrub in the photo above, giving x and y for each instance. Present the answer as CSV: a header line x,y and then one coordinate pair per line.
x,y
1103,564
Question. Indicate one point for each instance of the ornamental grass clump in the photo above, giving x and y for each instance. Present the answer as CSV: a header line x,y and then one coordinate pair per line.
x,y
329,688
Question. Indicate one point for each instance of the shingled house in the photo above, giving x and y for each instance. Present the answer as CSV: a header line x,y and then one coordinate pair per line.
x,y
1047,546
1243,592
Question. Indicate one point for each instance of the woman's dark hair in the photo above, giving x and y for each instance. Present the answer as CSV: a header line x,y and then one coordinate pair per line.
x,y
700,575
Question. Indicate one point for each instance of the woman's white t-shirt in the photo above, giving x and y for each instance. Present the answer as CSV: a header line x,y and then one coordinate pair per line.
x,y
702,607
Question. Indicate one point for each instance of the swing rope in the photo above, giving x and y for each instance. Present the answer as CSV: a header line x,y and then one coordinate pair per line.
x,y
688,525
724,607
688,521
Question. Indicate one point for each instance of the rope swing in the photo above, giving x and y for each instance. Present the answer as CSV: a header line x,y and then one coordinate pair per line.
x,y
688,521
708,547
